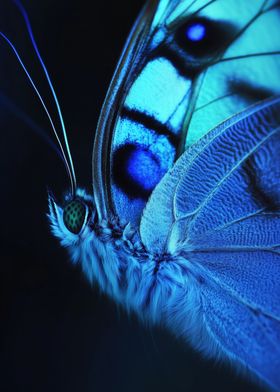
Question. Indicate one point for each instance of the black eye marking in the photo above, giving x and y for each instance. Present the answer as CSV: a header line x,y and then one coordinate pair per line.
x,y
195,43
202,37
74,215
136,170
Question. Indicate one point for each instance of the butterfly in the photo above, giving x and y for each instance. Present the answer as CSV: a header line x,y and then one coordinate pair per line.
x,y
183,223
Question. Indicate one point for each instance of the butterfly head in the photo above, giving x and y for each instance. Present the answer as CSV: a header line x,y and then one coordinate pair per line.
x,y
71,221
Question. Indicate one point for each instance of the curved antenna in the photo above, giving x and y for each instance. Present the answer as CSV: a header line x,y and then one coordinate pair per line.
x,y
34,44
72,180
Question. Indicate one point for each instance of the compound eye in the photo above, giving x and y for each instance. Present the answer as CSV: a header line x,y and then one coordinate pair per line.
x,y
74,216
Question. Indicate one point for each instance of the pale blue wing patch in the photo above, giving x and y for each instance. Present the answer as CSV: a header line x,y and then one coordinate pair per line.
x,y
164,9
154,91
229,86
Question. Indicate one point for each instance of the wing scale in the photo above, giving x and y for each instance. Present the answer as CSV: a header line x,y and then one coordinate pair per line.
x,y
221,211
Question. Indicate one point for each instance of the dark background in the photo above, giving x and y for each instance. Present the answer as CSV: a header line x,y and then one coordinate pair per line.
x,y
58,333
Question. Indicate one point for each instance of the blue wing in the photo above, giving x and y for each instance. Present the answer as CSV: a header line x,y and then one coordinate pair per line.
x,y
171,87
221,208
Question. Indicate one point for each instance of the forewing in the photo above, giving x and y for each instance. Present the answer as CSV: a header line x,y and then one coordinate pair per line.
x,y
188,65
125,127
221,211
133,49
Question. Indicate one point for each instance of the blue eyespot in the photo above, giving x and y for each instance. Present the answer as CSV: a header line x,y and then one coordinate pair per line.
x,y
136,170
144,169
200,37
196,32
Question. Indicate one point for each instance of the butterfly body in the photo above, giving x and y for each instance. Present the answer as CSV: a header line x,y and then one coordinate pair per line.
x,y
184,263
160,288
188,245
184,221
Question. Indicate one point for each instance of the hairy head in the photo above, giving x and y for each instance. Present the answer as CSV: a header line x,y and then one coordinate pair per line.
x,y
71,221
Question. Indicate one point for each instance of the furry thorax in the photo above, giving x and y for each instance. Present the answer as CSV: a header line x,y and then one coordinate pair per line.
x,y
161,289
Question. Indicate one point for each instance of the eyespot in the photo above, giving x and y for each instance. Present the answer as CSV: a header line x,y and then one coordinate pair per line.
x,y
201,37
196,32
136,170
74,216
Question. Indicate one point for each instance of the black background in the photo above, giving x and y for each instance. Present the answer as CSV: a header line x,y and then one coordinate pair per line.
x,y
58,333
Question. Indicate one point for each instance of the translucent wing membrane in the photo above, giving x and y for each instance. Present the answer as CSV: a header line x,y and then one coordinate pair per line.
x,y
220,208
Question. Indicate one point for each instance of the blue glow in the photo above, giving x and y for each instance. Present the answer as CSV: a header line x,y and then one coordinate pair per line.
x,y
144,169
196,32
158,90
